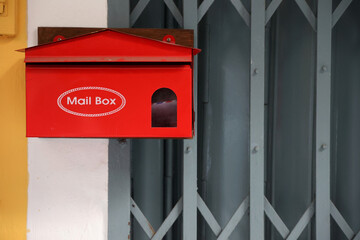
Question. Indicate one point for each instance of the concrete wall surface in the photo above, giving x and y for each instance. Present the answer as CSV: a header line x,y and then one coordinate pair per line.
x,y
68,178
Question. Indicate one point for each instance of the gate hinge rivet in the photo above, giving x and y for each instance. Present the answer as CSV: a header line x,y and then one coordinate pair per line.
x,y
324,146
256,149
256,71
188,150
324,68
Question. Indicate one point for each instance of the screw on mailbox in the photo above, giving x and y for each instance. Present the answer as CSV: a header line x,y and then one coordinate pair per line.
x,y
168,39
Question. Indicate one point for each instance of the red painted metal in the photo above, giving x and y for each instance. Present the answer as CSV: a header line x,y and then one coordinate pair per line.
x,y
96,93
58,38
169,39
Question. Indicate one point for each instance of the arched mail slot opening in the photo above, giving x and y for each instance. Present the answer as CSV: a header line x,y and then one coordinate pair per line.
x,y
164,108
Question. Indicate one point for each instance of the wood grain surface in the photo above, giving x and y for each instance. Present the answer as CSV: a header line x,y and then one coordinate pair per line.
x,y
182,36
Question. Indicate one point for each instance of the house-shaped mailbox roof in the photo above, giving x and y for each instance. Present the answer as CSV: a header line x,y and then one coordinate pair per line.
x,y
109,46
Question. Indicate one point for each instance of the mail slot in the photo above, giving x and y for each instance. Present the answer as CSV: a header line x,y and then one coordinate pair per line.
x,y
109,84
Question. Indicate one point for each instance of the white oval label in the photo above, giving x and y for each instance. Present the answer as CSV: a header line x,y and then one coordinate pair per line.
x,y
91,101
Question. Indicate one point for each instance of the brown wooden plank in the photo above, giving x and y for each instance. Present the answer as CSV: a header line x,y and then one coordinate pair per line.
x,y
182,36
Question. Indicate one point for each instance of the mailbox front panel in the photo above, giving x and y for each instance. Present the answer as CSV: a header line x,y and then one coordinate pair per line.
x,y
109,100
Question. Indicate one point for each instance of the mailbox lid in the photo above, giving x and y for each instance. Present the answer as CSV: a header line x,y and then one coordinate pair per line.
x,y
109,46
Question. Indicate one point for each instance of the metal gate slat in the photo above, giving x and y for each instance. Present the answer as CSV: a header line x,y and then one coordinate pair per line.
x,y
190,19
234,220
137,11
174,11
140,217
302,223
357,237
271,9
120,10
341,222
275,219
203,8
257,122
169,221
323,115
208,216
119,189
339,11
240,8
308,13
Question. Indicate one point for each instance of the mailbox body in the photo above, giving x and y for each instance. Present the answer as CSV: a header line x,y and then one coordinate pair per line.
x,y
102,90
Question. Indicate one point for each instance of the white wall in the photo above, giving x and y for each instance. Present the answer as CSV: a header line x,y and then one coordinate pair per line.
x,y
68,178
64,13
67,189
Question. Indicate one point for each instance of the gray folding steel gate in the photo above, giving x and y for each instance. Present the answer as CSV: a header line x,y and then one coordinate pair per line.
x,y
321,208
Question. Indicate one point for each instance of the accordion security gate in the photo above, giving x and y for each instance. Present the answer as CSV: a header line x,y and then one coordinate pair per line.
x,y
319,211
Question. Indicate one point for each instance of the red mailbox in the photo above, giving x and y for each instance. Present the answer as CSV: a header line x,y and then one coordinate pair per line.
x,y
109,84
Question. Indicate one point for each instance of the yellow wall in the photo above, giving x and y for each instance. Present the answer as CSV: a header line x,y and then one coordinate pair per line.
x,y
13,150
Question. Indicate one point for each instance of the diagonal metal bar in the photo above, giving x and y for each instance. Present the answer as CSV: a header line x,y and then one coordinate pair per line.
x,y
208,216
302,223
139,8
140,217
339,11
306,10
174,11
203,8
275,219
271,9
235,219
169,221
239,6
339,219
357,237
